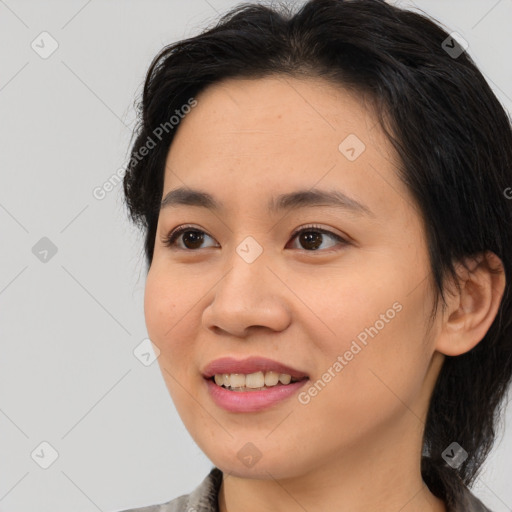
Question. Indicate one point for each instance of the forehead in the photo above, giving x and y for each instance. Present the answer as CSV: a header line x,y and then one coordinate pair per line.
x,y
260,136
261,108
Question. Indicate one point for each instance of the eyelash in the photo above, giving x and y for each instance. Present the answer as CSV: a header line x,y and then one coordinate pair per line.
x,y
169,240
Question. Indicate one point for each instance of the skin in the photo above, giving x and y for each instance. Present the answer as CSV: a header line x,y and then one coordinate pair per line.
x,y
357,444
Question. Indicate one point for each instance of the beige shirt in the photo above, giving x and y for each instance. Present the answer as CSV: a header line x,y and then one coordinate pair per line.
x,y
204,499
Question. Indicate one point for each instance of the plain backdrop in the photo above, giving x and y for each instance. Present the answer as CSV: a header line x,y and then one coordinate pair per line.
x,y
74,396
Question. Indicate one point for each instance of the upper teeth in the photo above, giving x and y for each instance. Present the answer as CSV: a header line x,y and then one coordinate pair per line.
x,y
252,380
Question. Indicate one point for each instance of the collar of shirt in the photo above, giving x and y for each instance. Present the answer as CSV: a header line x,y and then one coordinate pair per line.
x,y
204,498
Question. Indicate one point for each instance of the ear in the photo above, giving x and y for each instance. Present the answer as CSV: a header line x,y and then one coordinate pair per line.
x,y
471,310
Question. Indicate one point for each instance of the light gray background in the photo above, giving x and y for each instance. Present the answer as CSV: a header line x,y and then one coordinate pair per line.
x,y
69,326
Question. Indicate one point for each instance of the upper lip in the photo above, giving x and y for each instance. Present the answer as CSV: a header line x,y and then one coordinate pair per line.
x,y
249,365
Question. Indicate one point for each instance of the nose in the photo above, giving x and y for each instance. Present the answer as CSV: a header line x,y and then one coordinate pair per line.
x,y
250,296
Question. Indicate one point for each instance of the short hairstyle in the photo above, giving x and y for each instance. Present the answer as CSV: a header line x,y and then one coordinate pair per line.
x,y
453,138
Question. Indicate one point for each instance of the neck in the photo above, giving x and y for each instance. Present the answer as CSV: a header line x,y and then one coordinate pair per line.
x,y
357,480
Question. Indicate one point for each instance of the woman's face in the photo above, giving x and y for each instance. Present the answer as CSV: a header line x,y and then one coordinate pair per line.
x,y
350,313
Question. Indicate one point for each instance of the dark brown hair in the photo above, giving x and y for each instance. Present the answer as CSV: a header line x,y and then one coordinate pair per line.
x,y
452,135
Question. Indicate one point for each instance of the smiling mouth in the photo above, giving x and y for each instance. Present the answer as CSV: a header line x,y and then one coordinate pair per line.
x,y
257,381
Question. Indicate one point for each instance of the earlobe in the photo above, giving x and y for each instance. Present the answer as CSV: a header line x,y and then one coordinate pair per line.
x,y
471,308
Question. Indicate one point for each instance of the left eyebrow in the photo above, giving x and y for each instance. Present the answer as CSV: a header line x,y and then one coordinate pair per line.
x,y
285,202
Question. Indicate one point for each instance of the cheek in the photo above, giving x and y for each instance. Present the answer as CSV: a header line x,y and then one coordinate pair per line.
x,y
154,306
385,364
161,308
172,318
170,310
381,383
380,335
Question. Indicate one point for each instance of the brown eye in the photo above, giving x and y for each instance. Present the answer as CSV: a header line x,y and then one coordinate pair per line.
x,y
312,237
191,238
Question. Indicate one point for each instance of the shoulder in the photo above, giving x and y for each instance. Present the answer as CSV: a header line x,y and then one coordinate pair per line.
x,y
176,505
202,499
447,484
466,501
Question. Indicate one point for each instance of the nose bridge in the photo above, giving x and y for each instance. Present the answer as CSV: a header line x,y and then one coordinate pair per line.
x,y
248,273
248,294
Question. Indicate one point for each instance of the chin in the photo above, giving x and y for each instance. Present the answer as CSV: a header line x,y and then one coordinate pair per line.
x,y
263,468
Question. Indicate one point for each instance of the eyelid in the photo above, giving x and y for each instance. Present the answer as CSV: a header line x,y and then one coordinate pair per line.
x,y
316,227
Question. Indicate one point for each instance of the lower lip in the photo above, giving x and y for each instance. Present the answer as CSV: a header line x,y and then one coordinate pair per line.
x,y
251,401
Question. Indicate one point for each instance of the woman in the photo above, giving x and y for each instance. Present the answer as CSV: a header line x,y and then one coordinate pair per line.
x,y
364,374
